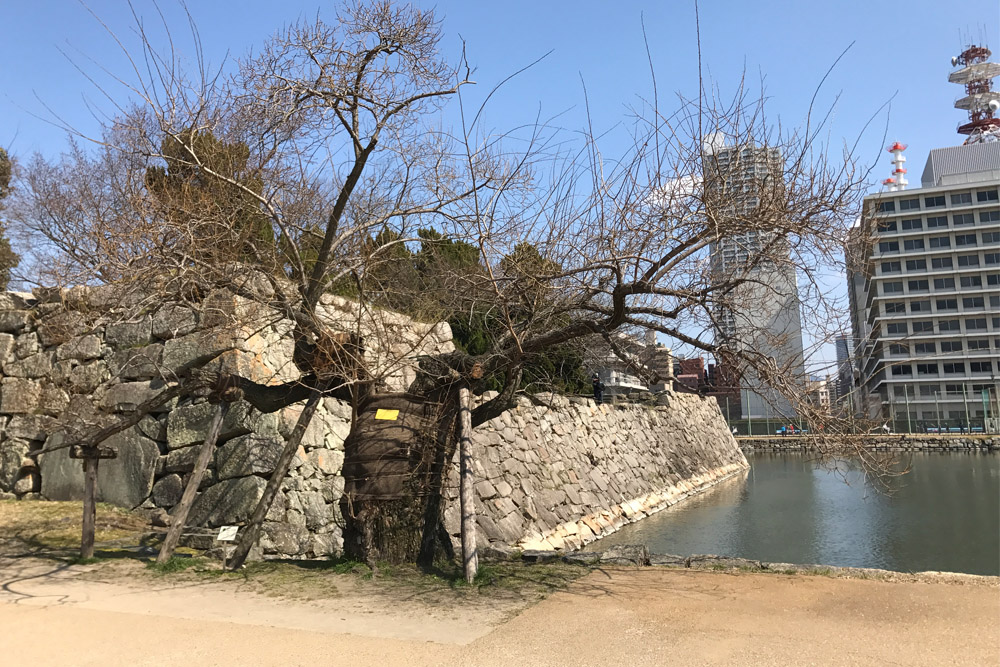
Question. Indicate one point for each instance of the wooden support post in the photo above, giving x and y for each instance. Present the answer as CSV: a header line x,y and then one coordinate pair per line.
x,y
251,532
89,506
470,556
179,519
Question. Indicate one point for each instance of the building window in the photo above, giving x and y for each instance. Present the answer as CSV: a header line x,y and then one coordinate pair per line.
x,y
916,265
913,244
986,195
896,328
937,221
944,283
921,327
965,239
887,206
954,389
968,260
991,237
895,307
989,216
918,285
995,302
992,258
891,267
892,287
932,202
904,369
886,225
980,344
927,369
920,307
909,204
963,219
980,366
961,198
912,223
939,242
951,346
953,367
948,325
925,348
973,302
941,263
896,348
888,246
972,281
928,389
977,324
993,279
947,304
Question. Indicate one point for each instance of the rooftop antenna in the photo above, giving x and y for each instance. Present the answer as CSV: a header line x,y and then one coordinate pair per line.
x,y
981,101
898,180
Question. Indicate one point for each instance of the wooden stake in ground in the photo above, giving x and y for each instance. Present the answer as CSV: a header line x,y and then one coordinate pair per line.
x,y
184,507
470,556
91,456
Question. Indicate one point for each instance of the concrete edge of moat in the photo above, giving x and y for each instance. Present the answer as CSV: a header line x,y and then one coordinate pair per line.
x,y
639,556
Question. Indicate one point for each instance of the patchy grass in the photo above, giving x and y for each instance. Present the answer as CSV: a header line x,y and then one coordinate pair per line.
x,y
47,528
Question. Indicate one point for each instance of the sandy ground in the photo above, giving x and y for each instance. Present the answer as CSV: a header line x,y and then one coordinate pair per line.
x,y
650,616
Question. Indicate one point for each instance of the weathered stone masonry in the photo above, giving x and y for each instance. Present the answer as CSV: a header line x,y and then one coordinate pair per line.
x,y
562,475
553,476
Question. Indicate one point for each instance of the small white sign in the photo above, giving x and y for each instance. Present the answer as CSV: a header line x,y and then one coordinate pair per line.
x,y
227,534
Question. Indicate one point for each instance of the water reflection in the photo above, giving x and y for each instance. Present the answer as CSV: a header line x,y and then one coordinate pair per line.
x,y
944,515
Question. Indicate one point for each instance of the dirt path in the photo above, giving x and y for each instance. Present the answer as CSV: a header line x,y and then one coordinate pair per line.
x,y
615,617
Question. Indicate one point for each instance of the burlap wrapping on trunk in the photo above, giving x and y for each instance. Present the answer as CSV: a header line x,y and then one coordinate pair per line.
x,y
381,455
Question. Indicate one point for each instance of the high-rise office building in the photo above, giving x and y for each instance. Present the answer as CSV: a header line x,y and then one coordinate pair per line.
x,y
924,284
762,314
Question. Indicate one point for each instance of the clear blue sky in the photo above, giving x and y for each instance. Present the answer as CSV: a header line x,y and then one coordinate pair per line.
x,y
901,52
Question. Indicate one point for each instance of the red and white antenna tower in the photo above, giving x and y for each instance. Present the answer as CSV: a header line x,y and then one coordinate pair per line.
x,y
898,179
980,100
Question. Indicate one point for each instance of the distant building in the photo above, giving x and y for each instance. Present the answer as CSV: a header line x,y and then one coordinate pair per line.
x,y
845,370
818,391
924,276
770,321
645,360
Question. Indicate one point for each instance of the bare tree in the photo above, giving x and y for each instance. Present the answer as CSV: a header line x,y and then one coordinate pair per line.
x,y
313,170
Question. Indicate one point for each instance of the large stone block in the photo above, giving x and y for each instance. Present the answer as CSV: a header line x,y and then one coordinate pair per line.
x,y
284,538
128,479
128,395
172,320
167,492
14,321
120,335
37,365
137,363
29,427
250,454
61,327
12,453
197,348
85,378
6,346
19,395
82,348
187,425
231,501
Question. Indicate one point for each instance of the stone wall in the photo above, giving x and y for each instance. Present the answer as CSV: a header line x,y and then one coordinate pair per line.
x,y
555,475
881,443
561,475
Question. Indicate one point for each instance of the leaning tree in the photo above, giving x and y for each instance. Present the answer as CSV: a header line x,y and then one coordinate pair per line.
x,y
318,166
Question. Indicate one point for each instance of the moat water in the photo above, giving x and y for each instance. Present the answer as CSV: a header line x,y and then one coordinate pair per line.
x,y
943,515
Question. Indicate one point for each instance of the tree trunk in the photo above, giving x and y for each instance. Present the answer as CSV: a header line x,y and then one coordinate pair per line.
x,y
395,459
184,507
89,507
470,556
251,532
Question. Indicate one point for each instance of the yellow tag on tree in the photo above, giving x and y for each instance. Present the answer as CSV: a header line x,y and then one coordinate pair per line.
x,y
391,415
